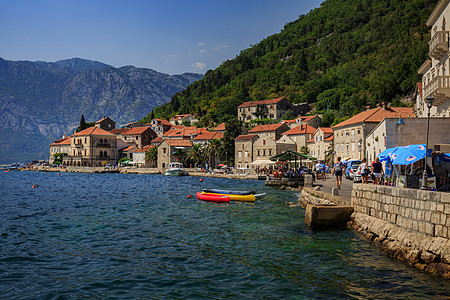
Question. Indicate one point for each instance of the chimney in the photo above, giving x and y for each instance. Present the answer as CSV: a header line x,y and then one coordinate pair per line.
x,y
384,104
368,107
378,104
64,135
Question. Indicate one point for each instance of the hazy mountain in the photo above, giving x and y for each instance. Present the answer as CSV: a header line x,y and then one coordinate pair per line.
x,y
39,101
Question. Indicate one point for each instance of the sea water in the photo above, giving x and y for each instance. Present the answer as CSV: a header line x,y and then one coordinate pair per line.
x,y
119,236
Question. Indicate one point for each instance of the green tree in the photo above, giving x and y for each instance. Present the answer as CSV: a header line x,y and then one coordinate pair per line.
x,y
151,155
195,154
211,151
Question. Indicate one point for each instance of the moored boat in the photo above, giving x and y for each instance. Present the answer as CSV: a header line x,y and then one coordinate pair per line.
x,y
228,192
212,197
242,198
175,169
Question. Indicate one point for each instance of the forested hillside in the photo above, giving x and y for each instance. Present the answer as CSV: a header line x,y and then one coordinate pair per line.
x,y
342,56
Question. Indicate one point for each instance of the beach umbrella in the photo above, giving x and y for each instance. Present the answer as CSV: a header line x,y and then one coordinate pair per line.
x,y
408,155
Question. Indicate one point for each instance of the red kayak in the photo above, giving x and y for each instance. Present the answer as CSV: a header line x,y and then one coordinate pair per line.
x,y
213,197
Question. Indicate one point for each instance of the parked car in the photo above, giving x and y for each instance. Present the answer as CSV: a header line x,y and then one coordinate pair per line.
x,y
357,176
349,166
353,169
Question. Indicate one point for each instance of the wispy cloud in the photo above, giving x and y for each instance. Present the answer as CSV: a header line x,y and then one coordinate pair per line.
x,y
201,44
199,66
203,51
221,46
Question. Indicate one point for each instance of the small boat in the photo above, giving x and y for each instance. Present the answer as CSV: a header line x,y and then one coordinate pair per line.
x,y
228,192
175,169
212,197
242,198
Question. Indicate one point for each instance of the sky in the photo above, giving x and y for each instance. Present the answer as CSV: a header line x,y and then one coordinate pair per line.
x,y
169,36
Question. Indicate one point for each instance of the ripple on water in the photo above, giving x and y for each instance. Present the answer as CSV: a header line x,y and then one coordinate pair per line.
x,y
138,236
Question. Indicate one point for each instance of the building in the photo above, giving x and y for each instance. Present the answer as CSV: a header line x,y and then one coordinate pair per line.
x,y
350,135
105,123
265,147
314,121
59,146
243,150
139,157
139,136
180,119
300,134
183,132
159,126
220,128
435,71
390,133
127,152
92,147
265,109
274,130
167,151
206,136
321,142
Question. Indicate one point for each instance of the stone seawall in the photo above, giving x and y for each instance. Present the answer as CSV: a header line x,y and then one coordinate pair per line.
x,y
410,225
315,196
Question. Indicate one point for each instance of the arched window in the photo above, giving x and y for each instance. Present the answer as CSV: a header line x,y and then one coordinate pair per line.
x,y
101,153
105,154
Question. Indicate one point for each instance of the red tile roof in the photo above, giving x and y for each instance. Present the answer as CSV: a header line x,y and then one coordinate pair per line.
x,y
326,130
376,115
184,131
161,122
144,149
220,127
209,135
92,131
136,130
330,138
158,139
118,130
128,148
64,141
178,143
178,117
102,119
268,127
245,137
302,129
310,141
264,102
287,122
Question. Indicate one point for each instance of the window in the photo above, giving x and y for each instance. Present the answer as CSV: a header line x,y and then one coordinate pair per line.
x,y
264,152
359,131
348,147
353,146
240,154
258,153
246,154
270,152
264,142
353,132
347,133
318,153
164,150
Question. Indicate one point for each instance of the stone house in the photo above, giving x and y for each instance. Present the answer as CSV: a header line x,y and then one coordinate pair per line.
x,y
390,133
300,134
180,119
265,109
274,130
92,146
183,132
139,157
59,146
321,142
139,136
350,135
106,123
243,153
127,152
265,147
435,72
159,126
168,148
314,121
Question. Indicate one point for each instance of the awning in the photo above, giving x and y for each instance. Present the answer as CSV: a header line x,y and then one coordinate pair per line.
x,y
291,155
259,162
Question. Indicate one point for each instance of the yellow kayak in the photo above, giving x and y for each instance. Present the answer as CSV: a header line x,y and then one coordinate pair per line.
x,y
243,198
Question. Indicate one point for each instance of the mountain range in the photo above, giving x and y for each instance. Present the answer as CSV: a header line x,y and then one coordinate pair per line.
x,y
41,101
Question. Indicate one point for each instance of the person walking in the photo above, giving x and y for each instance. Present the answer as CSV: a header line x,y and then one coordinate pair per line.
x,y
318,169
377,171
324,174
337,171
364,171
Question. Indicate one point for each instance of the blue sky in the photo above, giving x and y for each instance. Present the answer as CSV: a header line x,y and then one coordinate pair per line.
x,y
168,36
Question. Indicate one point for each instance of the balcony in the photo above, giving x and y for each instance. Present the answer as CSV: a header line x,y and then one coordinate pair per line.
x,y
438,88
78,145
439,44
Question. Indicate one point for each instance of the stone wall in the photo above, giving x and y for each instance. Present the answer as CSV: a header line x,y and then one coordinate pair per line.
x,y
315,196
410,225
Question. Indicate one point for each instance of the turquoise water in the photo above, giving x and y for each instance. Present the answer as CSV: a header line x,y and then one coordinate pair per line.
x,y
115,236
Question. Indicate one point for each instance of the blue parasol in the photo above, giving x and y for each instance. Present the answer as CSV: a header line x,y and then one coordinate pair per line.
x,y
408,155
